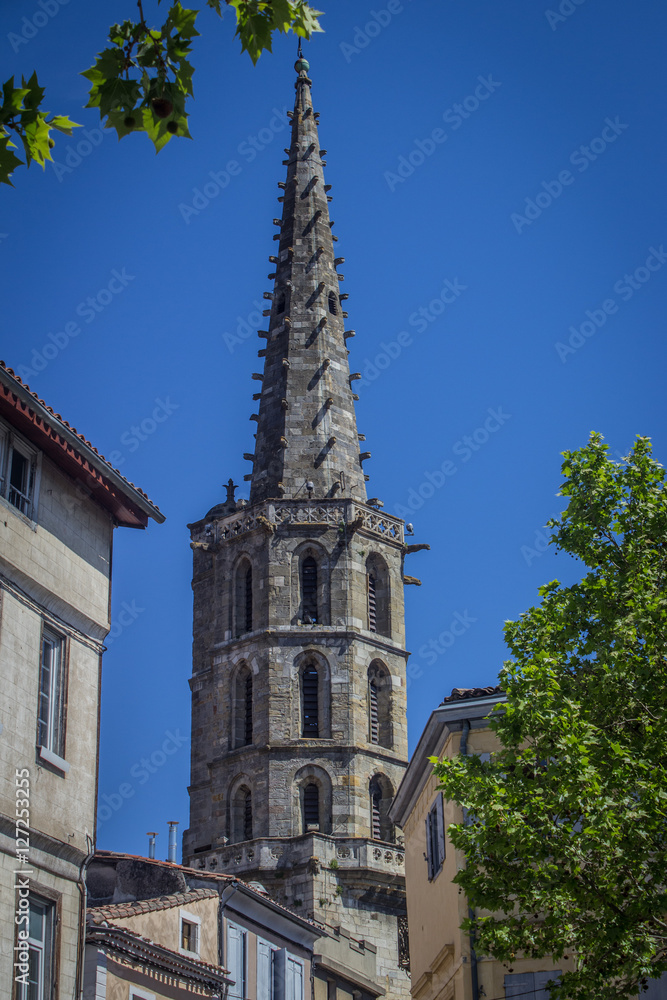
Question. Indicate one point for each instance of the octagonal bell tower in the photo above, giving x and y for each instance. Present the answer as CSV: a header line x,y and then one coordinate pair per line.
x,y
298,688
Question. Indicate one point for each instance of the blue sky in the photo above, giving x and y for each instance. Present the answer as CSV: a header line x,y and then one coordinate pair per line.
x,y
498,180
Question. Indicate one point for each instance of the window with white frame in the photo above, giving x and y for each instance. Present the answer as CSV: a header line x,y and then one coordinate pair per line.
x,y
137,994
18,463
435,837
237,960
530,985
189,933
51,705
265,969
288,977
37,982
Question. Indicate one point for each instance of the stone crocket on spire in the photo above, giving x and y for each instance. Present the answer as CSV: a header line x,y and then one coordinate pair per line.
x,y
306,426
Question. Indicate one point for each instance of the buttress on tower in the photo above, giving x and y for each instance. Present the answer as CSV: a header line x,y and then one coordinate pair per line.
x,y
299,736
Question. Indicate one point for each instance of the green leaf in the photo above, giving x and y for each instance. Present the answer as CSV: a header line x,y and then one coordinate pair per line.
x,y
8,161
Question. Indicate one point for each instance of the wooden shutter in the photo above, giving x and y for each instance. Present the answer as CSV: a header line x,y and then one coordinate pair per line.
x,y
440,830
264,970
541,979
236,960
293,979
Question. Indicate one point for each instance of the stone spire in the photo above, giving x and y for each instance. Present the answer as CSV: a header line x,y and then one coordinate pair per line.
x,y
306,425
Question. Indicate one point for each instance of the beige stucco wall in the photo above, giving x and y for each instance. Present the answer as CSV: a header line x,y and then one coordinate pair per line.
x,y
439,951
56,566
163,926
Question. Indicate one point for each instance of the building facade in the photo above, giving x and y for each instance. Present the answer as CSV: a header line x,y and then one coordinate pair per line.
x,y
298,687
59,503
443,964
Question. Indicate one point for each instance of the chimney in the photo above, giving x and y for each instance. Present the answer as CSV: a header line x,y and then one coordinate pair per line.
x,y
173,823
151,843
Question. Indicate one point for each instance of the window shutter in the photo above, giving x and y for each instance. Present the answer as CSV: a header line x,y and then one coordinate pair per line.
x,y
248,600
293,980
264,970
541,979
429,858
235,963
520,985
279,974
310,686
247,727
372,604
440,817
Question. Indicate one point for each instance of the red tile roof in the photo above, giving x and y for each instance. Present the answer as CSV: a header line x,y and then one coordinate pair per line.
x,y
50,431
115,911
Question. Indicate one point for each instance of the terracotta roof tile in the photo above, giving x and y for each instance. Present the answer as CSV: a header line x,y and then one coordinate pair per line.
x,y
463,694
114,911
147,941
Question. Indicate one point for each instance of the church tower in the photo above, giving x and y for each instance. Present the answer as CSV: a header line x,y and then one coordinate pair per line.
x,y
299,685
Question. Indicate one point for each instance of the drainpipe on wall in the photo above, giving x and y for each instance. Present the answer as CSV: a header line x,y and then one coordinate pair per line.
x,y
471,913
83,889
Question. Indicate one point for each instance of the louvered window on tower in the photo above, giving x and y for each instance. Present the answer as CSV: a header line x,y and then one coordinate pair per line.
x,y
310,699
372,603
247,815
280,302
248,600
373,711
376,821
309,590
333,306
247,729
311,808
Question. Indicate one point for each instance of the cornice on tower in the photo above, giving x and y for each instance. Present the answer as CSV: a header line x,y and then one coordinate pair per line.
x,y
306,424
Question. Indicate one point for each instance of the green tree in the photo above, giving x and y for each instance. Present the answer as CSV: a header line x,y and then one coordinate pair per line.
x,y
565,836
142,81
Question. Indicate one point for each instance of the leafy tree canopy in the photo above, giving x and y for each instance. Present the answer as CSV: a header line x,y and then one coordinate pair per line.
x,y
565,836
142,81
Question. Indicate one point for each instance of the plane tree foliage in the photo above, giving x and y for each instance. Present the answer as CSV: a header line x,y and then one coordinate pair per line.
x,y
565,831
142,80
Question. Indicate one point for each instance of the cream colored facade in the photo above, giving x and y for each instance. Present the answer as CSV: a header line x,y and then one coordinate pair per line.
x,y
59,504
442,965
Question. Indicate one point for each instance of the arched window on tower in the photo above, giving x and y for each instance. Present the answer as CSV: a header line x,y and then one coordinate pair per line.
x,y
242,707
311,807
310,702
309,591
241,815
333,304
378,595
380,796
243,599
379,705
280,302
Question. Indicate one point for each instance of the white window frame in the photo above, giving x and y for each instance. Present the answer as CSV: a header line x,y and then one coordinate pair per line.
x,y
266,951
138,994
44,948
435,837
190,918
52,748
10,442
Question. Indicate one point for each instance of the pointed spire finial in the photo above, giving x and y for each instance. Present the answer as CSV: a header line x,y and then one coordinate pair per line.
x,y
230,487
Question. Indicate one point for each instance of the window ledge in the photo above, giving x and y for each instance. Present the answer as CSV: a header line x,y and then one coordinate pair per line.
x,y
189,954
30,521
49,757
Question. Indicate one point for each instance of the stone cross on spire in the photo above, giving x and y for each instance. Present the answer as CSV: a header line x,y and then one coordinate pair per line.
x,y
306,425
